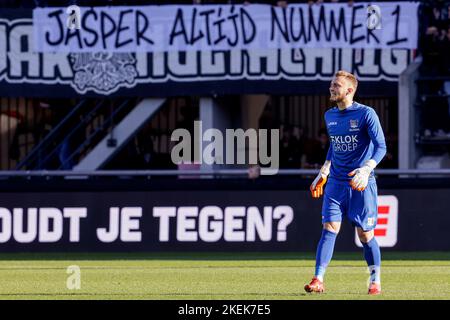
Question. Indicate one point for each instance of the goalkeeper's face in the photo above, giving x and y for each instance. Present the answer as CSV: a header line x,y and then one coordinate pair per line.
x,y
340,88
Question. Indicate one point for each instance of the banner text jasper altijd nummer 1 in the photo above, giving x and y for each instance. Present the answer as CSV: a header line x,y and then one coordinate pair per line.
x,y
224,27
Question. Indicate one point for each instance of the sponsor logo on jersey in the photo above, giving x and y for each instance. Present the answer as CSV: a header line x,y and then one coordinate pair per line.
x,y
344,143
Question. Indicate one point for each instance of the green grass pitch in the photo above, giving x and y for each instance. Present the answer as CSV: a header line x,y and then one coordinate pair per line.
x,y
219,276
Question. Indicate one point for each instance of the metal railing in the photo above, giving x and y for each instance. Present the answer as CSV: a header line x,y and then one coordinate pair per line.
x,y
203,173
36,154
107,123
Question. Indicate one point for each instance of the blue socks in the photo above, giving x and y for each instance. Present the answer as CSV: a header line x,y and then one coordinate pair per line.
x,y
324,252
373,257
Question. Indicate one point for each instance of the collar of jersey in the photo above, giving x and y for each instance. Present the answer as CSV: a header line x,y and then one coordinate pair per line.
x,y
351,107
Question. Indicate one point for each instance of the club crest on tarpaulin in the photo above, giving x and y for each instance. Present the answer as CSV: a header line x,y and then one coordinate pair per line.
x,y
103,72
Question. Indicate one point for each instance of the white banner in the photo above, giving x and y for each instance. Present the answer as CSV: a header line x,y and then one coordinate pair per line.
x,y
225,27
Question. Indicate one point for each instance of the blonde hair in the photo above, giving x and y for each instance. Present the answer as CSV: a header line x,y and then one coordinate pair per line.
x,y
349,76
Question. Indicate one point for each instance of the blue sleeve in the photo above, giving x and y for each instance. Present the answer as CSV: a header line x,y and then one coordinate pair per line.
x,y
330,148
330,153
376,135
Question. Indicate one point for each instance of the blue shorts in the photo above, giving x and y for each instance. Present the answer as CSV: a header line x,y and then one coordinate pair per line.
x,y
360,207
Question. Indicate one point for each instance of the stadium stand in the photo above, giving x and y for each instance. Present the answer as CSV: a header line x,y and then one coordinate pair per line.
x,y
66,129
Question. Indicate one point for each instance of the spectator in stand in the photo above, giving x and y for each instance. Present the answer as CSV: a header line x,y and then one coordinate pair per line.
x,y
290,154
317,150
146,152
433,59
434,44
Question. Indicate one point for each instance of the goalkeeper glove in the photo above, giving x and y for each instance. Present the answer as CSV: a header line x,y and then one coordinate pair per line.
x,y
318,183
361,175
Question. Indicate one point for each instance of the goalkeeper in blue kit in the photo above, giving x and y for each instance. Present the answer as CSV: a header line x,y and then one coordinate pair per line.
x,y
357,145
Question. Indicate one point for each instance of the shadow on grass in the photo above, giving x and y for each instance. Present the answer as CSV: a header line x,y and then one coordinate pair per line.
x,y
218,256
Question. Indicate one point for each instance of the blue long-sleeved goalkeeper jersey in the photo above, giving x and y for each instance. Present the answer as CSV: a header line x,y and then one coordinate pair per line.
x,y
355,137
